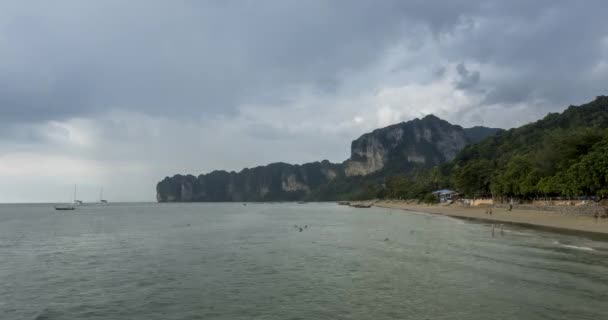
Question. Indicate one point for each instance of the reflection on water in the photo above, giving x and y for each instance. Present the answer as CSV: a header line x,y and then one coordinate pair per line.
x,y
229,261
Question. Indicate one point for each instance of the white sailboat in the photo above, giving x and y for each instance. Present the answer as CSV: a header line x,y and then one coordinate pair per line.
x,y
101,199
68,206
76,201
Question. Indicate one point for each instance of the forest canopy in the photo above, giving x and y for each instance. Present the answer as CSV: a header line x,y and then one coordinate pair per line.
x,y
562,155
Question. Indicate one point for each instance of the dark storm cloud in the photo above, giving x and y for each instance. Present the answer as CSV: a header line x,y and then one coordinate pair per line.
x,y
547,51
102,90
468,79
178,59
25,133
71,58
74,58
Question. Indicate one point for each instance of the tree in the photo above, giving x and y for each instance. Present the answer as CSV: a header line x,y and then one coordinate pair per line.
x,y
589,176
429,198
474,177
517,179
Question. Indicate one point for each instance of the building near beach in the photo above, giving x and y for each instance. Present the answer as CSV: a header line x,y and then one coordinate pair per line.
x,y
445,195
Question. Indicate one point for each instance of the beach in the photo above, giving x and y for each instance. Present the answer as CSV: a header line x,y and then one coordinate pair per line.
x,y
553,221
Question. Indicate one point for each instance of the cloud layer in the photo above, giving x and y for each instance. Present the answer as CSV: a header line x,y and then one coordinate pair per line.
x,y
121,94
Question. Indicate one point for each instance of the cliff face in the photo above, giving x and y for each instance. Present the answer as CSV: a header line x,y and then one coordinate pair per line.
x,y
394,149
274,182
428,141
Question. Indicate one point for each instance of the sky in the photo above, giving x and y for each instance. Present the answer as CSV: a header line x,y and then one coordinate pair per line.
x,y
119,94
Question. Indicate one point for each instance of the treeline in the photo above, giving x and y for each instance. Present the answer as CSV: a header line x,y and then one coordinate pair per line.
x,y
562,155
563,163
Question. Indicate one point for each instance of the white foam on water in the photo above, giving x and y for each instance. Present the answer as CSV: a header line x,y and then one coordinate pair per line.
x,y
437,216
455,220
569,246
523,234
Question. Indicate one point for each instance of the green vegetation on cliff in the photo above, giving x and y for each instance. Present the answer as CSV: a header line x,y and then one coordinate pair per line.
x,y
561,155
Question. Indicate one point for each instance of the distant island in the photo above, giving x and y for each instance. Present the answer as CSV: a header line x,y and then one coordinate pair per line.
x,y
561,155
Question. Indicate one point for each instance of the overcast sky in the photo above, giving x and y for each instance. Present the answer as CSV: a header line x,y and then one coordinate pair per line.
x,y
120,94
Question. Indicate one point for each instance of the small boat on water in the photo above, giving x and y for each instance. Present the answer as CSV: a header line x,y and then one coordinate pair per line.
x,y
71,206
101,199
65,207
76,202
360,205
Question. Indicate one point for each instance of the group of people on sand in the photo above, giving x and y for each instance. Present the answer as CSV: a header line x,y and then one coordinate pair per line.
x,y
489,209
597,215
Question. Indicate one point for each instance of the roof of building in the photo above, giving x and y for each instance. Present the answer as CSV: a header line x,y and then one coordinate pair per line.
x,y
444,191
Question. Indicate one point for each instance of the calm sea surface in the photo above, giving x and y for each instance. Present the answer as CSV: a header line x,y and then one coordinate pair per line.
x,y
229,261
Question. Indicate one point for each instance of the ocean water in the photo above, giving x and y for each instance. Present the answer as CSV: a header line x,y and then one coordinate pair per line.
x,y
230,261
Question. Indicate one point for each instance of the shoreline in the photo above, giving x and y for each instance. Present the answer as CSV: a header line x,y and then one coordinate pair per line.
x,y
534,219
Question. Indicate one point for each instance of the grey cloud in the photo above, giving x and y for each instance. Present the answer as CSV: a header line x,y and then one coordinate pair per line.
x,y
26,133
547,50
468,79
183,72
267,132
203,58
183,59
190,58
440,72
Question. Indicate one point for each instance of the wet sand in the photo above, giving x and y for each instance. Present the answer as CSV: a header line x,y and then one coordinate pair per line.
x,y
552,221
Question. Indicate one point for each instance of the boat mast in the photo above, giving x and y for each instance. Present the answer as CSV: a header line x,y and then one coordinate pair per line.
x,y
74,199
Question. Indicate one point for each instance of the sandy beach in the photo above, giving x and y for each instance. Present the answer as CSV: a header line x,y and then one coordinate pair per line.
x,y
553,221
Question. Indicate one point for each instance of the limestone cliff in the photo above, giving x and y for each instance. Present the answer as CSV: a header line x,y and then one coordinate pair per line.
x,y
428,141
274,182
395,149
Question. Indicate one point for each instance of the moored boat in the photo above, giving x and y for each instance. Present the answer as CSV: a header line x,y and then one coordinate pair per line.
x,y
65,207
360,205
101,199
70,206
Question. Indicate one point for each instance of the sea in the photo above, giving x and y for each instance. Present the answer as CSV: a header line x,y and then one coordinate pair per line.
x,y
288,261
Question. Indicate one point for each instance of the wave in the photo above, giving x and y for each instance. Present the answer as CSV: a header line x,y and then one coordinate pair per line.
x,y
569,246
